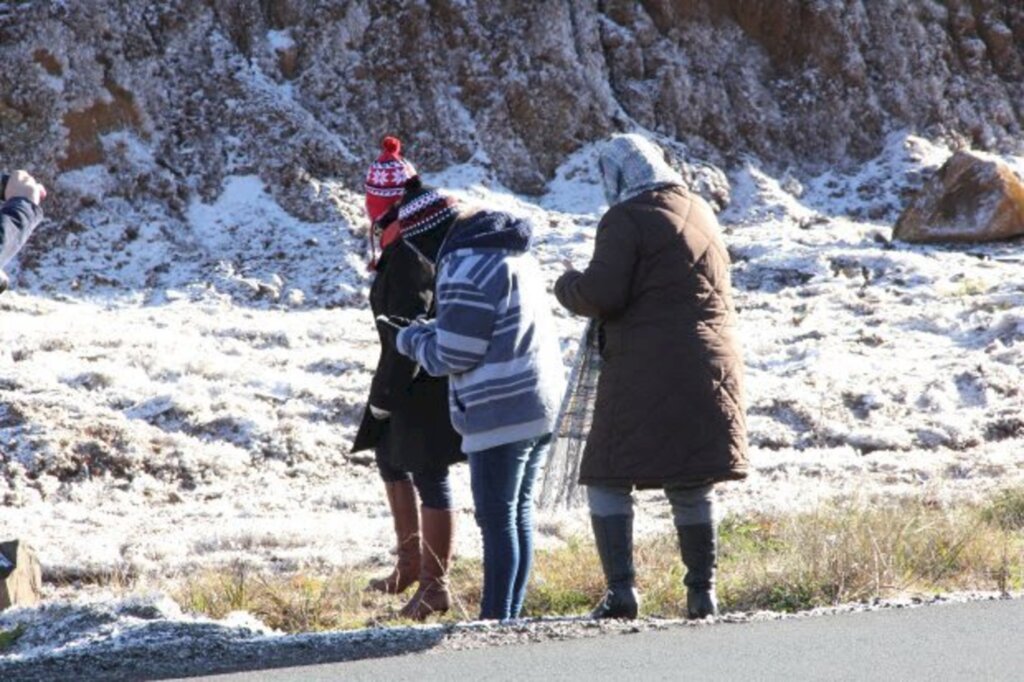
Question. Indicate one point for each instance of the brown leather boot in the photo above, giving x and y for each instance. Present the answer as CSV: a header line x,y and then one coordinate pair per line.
x,y
433,596
404,510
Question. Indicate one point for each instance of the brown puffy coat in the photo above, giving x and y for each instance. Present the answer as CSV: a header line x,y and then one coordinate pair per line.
x,y
670,405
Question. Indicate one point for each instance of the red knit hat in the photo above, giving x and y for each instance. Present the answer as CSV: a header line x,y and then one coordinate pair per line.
x,y
385,179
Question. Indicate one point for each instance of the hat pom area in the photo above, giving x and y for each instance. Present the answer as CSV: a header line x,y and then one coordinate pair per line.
x,y
391,145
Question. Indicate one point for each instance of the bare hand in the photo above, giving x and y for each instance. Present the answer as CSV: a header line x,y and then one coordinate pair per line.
x,y
21,184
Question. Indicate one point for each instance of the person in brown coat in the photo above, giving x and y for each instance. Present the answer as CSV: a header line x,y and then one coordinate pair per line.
x,y
670,405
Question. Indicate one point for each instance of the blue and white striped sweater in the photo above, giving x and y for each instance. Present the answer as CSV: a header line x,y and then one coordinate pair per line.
x,y
495,337
18,218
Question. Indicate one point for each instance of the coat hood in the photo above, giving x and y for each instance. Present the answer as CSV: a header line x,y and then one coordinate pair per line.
x,y
632,164
488,230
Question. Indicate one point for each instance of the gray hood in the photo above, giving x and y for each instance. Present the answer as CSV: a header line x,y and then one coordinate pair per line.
x,y
631,164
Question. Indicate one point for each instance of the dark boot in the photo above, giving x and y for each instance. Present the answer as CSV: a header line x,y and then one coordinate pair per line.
x,y
698,546
614,538
433,596
405,511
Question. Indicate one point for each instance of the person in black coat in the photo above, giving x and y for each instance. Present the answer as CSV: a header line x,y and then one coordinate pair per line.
x,y
406,419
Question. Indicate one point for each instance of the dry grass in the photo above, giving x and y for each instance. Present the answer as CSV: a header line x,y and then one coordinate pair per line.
x,y
850,552
293,603
1006,510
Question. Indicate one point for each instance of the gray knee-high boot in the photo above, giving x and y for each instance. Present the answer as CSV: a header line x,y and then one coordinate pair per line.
x,y
698,546
614,538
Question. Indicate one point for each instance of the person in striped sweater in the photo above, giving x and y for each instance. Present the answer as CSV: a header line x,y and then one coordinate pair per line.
x,y
20,214
494,337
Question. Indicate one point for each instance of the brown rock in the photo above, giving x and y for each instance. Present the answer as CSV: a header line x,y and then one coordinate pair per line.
x,y
86,126
21,578
288,61
974,197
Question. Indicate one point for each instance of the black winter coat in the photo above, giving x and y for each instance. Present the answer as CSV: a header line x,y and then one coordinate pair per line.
x,y
418,437
670,404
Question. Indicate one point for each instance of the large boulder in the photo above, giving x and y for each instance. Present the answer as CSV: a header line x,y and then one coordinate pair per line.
x,y
974,197
21,578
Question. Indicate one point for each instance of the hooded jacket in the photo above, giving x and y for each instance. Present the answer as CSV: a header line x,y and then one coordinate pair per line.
x,y
493,336
670,404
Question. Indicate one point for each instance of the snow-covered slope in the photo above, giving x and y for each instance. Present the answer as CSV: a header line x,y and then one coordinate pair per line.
x,y
206,417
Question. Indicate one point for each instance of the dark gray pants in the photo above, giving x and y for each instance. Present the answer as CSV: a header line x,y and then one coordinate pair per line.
x,y
690,506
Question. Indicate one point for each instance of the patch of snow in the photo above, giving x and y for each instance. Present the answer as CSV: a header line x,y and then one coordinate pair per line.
x,y
281,40
93,182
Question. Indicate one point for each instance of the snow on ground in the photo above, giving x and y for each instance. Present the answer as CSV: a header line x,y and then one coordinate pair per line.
x,y
181,391
877,367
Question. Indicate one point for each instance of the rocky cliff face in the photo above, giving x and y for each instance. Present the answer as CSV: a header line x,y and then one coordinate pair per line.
x,y
172,96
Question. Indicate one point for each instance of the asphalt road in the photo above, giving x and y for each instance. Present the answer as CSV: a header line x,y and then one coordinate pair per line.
x,y
968,641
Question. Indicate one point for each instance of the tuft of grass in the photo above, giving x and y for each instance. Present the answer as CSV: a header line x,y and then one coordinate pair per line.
x,y
1006,510
857,553
850,551
8,638
566,581
298,602
970,287
217,593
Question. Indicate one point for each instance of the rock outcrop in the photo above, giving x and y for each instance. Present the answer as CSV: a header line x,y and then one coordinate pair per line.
x,y
974,197
300,92
21,578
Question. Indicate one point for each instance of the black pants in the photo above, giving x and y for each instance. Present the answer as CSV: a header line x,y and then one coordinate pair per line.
x,y
434,487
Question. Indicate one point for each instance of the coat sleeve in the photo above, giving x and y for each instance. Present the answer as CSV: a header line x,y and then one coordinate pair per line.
x,y
409,294
458,340
602,290
18,218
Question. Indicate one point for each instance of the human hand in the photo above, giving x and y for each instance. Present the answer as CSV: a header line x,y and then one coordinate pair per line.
x,y
388,326
21,184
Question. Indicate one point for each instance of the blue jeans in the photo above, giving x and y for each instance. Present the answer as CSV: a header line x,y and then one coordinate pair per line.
x,y
502,479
